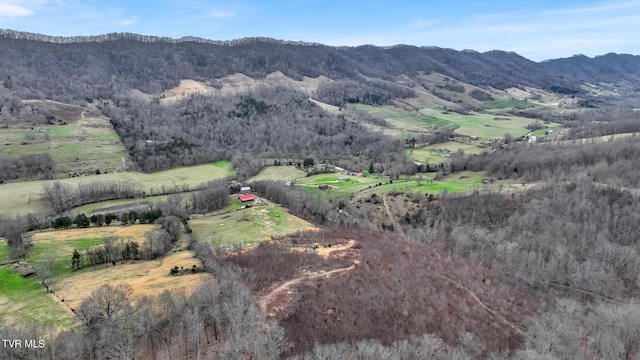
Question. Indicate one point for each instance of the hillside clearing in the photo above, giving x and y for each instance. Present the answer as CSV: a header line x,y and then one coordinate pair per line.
x,y
278,173
24,300
25,197
248,226
437,153
145,277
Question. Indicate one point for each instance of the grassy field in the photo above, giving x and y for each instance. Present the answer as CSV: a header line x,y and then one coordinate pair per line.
x,y
508,103
555,128
435,153
4,251
483,125
408,123
106,205
277,173
82,146
145,277
59,244
24,197
248,226
465,181
424,183
338,188
23,300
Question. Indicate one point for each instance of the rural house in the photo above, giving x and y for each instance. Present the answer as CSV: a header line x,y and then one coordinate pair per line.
x,y
245,189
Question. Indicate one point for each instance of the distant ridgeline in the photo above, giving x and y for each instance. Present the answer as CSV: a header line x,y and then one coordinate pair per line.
x,y
21,35
105,64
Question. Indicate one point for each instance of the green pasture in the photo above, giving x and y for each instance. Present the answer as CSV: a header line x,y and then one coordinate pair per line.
x,y
4,251
247,226
484,126
508,103
556,129
353,185
24,197
84,146
408,123
435,153
465,181
24,300
278,173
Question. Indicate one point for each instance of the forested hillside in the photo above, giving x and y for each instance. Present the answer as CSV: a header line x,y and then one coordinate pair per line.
x,y
268,123
38,66
356,202
609,68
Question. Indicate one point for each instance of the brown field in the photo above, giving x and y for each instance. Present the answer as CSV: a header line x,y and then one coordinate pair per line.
x,y
145,277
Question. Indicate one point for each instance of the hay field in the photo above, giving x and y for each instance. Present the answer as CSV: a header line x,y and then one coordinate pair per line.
x,y
145,277
25,196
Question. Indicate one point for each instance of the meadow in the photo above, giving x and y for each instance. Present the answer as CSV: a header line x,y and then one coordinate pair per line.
x,y
83,146
435,153
25,196
278,173
248,225
485,126
23,300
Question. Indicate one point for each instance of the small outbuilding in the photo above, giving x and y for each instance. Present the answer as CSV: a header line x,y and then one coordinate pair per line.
x,y
25,271
245,189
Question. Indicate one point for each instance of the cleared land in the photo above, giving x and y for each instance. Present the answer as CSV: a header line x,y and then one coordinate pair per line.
x,y
338,187
85,144
278,173
437,153
23,300
247,226
59,244
24,197
145,277
405,122
465,181
483,125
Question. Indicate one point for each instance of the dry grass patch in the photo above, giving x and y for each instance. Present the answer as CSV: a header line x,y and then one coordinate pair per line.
x,y
145,277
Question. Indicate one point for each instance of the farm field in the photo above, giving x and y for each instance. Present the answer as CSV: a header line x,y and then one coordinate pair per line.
x,y
24,197
149,277
24,299
508,103
483,125
104,206
82,146
59,244
453,183
337,187
247,226
405,122
435,153
278,173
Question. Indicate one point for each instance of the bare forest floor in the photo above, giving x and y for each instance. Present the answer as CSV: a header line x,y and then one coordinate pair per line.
x,y
366,280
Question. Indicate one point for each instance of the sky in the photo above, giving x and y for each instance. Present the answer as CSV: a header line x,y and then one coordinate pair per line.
x,y
538,30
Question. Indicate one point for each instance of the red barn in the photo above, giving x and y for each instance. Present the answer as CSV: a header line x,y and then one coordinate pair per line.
x,y
245,198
